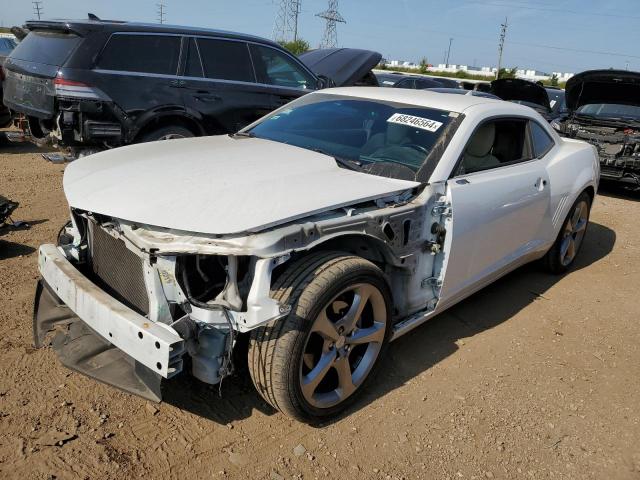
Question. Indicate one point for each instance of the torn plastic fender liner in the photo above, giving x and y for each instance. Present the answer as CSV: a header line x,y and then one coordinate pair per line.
x,y
80,349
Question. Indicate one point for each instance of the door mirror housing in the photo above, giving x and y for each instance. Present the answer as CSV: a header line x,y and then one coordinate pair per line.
x,y
325,82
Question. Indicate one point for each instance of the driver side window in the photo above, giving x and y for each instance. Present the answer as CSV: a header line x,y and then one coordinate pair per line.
x,y
494,144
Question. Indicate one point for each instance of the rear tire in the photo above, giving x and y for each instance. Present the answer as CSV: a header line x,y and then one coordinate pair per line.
x,y
313,364
166,133
565,249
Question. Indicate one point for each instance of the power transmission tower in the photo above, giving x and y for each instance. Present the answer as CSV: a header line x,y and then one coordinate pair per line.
x,y
37,9
503,35
286,26
332,17
161,12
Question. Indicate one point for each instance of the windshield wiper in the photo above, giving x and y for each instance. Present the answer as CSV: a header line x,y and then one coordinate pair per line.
x,y
242,135
347,163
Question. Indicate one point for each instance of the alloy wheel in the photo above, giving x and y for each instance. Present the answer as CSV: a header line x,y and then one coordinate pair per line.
x,y
343,345
574,231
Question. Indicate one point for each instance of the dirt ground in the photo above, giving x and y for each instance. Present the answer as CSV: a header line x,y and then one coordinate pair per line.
x,y
534,377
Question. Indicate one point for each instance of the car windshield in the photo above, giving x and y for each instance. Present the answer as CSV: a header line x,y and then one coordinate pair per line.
x,y
6,46
556,100
374,136
611,110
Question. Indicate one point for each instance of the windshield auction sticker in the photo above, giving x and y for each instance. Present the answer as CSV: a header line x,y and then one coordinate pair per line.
x,y
417,122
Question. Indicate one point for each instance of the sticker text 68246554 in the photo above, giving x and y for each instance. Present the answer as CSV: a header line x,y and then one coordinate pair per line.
x,y
413,121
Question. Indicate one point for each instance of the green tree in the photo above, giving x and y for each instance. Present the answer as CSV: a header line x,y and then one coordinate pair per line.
x,y
507,72
424,65
554,80
296,46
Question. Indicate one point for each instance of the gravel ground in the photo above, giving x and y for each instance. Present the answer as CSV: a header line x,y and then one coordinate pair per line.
x,y
534,377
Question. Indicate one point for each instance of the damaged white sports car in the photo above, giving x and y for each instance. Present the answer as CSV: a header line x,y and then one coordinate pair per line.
x,y
323,231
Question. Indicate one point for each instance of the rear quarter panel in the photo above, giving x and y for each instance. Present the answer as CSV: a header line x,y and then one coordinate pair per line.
x,y
573,166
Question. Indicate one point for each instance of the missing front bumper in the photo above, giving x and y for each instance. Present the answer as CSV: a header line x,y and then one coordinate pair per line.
x,y
81,349
97,335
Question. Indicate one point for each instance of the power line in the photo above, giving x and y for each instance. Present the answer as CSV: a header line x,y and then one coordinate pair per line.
x,y
332,18
161,12
555,10
37,9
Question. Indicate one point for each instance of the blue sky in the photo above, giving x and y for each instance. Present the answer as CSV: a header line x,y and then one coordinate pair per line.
x,y
539,30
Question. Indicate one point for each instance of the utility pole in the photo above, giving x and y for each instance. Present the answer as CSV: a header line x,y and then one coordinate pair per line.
x,y
503,35
161,13
332,17
37,9
448,52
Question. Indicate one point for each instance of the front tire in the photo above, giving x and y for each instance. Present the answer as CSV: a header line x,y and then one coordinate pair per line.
x,y
571,236
166,133
315,362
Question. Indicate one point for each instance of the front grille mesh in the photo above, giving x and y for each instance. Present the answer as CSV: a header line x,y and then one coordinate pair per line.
x,y
119,271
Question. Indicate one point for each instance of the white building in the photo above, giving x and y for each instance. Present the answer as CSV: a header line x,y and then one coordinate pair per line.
x,y
489,72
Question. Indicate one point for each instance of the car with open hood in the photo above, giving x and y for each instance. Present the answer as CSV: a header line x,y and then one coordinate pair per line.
x,y
523,92
604,110
91,84
7,44
319,234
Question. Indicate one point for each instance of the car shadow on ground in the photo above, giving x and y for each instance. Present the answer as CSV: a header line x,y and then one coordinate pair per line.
x,y
11,249
615,190
410,355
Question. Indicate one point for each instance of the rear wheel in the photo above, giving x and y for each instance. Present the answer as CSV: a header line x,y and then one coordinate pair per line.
x,y
167,133
566,247
313,363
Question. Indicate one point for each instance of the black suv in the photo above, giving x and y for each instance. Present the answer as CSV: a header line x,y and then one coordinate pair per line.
x,y
94,83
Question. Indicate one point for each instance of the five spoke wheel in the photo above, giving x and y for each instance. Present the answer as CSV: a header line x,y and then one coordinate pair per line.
x,y
343,345
574,231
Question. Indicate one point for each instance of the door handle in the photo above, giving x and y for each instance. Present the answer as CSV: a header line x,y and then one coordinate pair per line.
x,y
208,98
540,184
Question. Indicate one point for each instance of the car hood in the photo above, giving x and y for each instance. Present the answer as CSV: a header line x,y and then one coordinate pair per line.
x,y
516,89
345,66
603,86
217,185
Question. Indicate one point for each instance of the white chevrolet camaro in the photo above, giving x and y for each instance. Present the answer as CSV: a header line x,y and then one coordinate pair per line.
x,y
320,233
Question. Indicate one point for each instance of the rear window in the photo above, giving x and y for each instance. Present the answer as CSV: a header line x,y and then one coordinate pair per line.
x,y
226,60
542,142
141,53
49,48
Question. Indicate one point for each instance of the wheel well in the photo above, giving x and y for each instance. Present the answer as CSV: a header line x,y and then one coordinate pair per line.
x,y
366,247
170,120
591,192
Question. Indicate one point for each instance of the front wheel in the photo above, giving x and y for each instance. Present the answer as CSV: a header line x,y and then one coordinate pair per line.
x,y
567,245
166,133
313,363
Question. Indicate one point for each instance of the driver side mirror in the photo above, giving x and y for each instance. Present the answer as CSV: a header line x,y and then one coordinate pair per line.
x,y
325,82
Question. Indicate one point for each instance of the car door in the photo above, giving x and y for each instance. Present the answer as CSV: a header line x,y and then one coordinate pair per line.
x,y
500,207
137,71
219,84
285,77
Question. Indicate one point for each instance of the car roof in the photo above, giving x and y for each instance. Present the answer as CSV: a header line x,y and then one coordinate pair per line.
x,y
85,25
422,98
